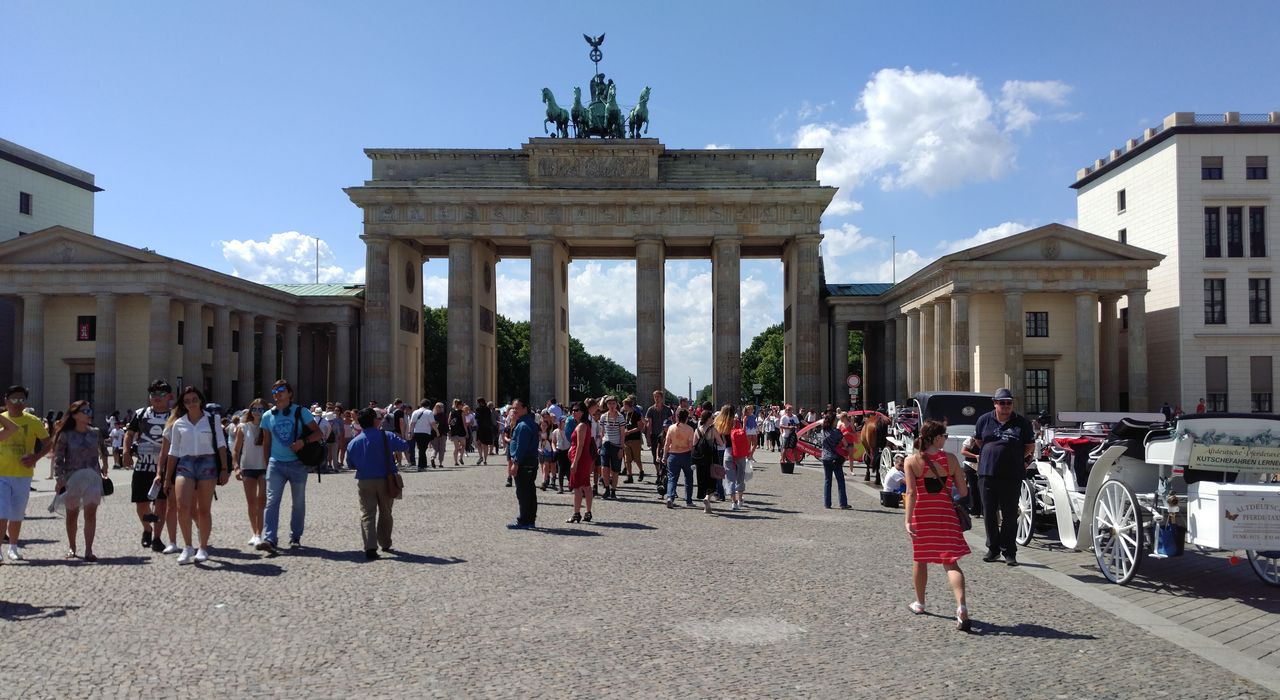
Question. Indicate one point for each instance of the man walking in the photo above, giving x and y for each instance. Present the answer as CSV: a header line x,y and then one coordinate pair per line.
x,y
523,452
18,457
655,418
369,455
285,430
1005,441
145,434
422,424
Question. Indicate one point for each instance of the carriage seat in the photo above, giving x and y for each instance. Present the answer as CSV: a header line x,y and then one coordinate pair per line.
x,y
1130,429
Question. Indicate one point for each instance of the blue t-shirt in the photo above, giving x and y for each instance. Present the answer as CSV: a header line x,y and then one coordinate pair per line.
x,y
1003,445
284,432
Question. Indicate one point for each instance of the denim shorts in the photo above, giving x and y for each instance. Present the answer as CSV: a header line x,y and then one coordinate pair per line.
x,y
14,492
198,467
612,456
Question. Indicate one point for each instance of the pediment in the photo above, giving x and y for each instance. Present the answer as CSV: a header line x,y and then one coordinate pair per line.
x,y
1055,243
63,246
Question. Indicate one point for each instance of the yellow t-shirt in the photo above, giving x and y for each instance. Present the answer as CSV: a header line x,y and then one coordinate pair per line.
x,y
30,429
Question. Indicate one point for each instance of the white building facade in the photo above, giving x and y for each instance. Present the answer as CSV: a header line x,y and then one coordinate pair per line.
x,y
37,192
1200,190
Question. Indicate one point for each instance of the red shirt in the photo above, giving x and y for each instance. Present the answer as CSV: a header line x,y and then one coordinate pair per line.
x,y
741,444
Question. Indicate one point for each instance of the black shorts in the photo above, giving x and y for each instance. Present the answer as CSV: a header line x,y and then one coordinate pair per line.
x,y
253,473
562,463
141,485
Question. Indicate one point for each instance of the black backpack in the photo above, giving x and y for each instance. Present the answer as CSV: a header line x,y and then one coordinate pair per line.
x,y
702,452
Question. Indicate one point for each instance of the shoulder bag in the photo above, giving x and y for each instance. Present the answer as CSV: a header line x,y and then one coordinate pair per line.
x,y
217,457
395,482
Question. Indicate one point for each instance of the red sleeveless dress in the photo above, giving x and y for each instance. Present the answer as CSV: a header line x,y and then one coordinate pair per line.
x,y
938,537
581,476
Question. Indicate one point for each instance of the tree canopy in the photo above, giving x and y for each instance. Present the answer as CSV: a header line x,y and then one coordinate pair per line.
x,y
762,362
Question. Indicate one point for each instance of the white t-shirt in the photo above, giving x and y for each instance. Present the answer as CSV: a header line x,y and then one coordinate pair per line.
x,y
422,422
250,454
187,440
788,423
894,481
560,440
117,438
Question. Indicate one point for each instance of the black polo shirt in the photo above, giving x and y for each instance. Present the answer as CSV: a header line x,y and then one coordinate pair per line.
x,y
1003,445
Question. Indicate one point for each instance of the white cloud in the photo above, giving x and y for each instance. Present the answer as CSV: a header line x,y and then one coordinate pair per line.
x,y
1018,96
717,146
986,235
846,239
286,258
908,262
435,291
925,130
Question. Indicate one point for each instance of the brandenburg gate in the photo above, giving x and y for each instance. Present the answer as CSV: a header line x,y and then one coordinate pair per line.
x,y
556,199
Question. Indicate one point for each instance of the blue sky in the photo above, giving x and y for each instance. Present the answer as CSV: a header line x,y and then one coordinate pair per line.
x,y
216,129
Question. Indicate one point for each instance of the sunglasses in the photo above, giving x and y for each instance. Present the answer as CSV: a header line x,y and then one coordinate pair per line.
x,y
159,394
86,411
16,399
279,390
1004,402
256,409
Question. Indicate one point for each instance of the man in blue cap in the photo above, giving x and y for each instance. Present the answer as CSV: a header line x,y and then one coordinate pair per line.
x,y
1005,443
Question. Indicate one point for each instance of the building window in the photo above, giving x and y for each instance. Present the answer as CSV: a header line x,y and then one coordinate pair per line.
x,y
82,387
1037,324
1211,167
1260,300
1215,383
1235,232
1123,235
208,337
1215,301
1258,232
1212,233
1121,205
86,328
24,203
181,329
1037,398
235,343
1260,384
1255,168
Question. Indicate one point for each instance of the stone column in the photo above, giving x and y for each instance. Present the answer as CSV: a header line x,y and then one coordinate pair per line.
x,y
888,362
33,350
542,321
961,373
840,362
462,322
342,362
290,341
1138,400
18,323
104,357
222,372
379,325
244,374
159,340
1086,347
1015,378
900,358
192,346
942,345
1109,355
651,287
726,320
912,348
804,319
928,371
270,359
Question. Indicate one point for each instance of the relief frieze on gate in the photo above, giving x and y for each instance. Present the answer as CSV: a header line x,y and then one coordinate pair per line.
x,y
604,213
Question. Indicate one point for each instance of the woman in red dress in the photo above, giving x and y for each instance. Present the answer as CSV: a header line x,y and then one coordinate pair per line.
x,y
932,522
581,464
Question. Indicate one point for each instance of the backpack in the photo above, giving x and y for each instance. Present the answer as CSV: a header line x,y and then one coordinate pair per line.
x,y
702,452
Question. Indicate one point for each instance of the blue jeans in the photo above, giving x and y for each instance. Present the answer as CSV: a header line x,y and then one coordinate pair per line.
x,y
295,473
836,467
680,462
735,471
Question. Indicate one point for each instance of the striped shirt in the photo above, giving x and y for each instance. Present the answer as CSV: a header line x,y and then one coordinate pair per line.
x,y
612,426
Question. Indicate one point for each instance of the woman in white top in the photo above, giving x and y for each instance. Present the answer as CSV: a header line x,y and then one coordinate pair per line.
x,y
249,467
197,451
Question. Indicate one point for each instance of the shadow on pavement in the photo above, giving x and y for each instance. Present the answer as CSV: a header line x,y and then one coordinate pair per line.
x,y
1024,630
409,558
16,612
124,561
741,515
569,532
259,568
625,526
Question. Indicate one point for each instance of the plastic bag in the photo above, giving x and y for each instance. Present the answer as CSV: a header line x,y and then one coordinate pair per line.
x,y
747,471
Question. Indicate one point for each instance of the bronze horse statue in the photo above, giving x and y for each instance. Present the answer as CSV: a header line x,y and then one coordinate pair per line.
x,y
639,115
615,126
555,115
578,116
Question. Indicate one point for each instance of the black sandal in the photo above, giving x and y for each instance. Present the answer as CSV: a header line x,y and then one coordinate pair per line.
x,y
587,518
577,518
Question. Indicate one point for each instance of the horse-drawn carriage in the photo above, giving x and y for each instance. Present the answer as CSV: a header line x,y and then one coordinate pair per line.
x,y
959,410
1146,487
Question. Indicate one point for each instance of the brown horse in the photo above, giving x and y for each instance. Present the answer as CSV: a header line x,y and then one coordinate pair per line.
x,y
874,434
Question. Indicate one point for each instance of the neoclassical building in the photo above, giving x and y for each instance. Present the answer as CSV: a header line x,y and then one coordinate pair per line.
x,y
99,319
1035,312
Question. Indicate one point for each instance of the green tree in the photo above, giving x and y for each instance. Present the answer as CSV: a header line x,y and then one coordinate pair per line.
x,y
704,394
762,364
435,334
513,359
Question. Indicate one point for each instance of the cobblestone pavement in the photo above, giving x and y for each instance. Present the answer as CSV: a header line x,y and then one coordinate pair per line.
x,y
783,600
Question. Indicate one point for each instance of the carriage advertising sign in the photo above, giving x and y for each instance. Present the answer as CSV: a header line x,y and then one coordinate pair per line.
x,y
1234,516
1241,458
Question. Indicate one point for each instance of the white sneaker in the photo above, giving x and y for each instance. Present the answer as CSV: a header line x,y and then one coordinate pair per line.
x,y
171,548
15,554
255,541
202,554
735,505
185,557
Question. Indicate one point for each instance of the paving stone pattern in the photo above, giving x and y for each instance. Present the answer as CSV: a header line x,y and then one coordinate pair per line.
x,y
785,600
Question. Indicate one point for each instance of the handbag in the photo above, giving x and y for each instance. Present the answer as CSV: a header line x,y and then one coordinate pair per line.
x,y
717,471
217,456
395,482
966,522
108,488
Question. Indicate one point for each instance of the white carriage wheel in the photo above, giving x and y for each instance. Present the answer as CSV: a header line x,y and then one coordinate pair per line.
x,y
1266,565
1026,513
886,463
1117,532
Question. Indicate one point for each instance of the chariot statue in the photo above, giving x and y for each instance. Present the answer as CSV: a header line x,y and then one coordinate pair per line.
x,y
602,116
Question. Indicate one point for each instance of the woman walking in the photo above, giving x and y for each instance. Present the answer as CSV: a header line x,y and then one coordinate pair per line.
x,y
931,516
458,431
250,467
193,467
834,442
560,441
581,463
546,448
678,447
79,466
439,433
741,446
